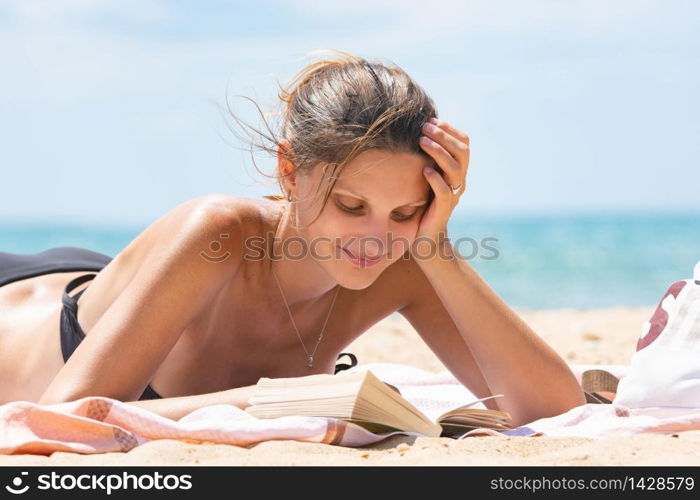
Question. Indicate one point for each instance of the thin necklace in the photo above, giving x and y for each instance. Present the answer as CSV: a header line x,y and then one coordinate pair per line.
x,y
309,357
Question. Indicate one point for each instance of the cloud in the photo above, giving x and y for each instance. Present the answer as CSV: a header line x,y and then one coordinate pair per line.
x,y
75,49
121,84
52,12
420,21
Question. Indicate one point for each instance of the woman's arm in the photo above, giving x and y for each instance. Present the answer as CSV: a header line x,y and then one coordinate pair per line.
x,y
486,345
123,350
515,362
176,408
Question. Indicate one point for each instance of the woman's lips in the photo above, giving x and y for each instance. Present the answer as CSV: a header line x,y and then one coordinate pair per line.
x,y
360,262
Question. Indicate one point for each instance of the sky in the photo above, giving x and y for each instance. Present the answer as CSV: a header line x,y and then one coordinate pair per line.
x,y
112,112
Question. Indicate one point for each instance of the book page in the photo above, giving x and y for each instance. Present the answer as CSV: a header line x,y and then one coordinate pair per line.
x,y
434,400
476,404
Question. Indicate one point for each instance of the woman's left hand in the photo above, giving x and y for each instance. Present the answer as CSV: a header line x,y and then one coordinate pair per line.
x,y
450,149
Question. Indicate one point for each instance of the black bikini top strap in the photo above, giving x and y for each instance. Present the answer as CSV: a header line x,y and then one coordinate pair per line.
x,y
75,283
71,301
343,366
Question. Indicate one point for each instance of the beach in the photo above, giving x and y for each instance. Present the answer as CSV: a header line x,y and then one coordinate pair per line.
x,y
135,129
581,336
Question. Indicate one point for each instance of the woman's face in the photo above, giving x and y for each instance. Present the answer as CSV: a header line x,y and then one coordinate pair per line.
x,y
373,211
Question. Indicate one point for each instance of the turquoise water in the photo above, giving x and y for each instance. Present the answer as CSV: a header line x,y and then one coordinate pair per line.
x,y
583,260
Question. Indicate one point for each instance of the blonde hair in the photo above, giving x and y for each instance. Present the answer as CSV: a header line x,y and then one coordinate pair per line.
x,y
334,109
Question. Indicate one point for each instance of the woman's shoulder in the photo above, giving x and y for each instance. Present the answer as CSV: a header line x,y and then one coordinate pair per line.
x,y
222,211
220,208
217,223
190,240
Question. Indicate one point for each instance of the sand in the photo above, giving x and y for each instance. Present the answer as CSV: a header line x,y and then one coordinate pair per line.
x,y
595,336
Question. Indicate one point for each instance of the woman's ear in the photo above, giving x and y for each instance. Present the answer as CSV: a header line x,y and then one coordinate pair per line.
x,y
285,168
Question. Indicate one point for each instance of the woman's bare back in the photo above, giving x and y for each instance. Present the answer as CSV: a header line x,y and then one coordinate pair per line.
x,y
243,334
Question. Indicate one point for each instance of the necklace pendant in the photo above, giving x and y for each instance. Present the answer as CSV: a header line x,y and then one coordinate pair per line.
x,y
311,361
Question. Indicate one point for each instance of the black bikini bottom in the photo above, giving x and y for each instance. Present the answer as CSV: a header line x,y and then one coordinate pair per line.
x,y
15,267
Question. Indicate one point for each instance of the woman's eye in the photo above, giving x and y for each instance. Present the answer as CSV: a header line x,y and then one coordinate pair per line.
x,y
398,216
349,209
403,216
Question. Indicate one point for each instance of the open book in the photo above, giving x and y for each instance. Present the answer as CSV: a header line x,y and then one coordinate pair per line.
x,y
364,399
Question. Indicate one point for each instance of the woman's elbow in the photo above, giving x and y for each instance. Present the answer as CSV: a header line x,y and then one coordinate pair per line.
x,y
52,398
67,394
551,407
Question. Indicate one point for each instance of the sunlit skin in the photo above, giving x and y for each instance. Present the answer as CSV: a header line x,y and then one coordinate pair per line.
x,y
202,332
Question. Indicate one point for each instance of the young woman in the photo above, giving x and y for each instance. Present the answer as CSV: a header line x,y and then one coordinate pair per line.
x,y
223,290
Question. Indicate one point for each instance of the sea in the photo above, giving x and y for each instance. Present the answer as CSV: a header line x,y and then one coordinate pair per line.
x,y
581,260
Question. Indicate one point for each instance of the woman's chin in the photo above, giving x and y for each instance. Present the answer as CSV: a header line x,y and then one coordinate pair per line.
x,y
358,278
